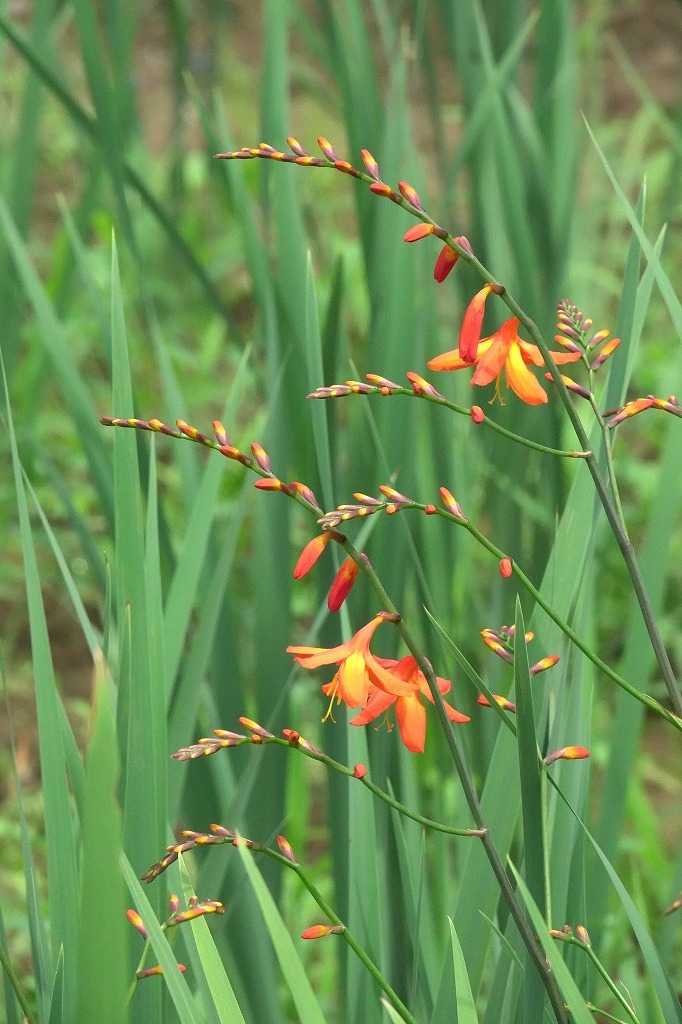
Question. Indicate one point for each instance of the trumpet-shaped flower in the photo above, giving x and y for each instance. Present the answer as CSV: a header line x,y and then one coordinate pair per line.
x,y
409,711
359,671
504,350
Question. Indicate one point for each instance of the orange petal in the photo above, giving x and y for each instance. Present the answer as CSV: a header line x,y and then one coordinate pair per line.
x,y
378,703
470,334
353,680
410,715
521,380
493,357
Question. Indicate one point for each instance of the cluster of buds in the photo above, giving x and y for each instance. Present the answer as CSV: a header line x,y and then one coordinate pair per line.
x,y
344,578
379,385
637,405
405,196
195,908
258,462
576,335
501,642
222,739
218,836
566,934
394,502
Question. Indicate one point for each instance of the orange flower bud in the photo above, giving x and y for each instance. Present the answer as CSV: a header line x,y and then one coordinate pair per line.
x,y
310,554
477,414
285,849
447,258
506,568
417,232
343,582
316,931
567,754
359,771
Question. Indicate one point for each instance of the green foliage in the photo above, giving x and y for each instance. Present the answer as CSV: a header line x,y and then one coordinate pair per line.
x,y
141,278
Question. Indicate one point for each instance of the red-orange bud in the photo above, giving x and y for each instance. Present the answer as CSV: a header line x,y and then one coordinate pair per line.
x,y
359,771
470,334
477,414
310,554
417,232
316,931
446,260
343,582
380,188
506,568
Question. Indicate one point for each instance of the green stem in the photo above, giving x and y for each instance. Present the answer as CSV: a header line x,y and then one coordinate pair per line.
x,y
643,698
13,979
471,796
610,983
319,755
607,503
361,954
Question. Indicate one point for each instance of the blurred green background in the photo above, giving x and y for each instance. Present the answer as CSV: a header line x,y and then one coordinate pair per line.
x,y
245,286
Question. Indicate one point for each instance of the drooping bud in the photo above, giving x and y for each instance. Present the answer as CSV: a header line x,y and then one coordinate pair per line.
x,y
342,585
470,334
445,261
310,554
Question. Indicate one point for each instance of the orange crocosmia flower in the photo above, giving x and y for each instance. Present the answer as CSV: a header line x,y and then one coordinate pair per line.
x,y
409,711
505,350
359,671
